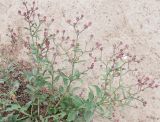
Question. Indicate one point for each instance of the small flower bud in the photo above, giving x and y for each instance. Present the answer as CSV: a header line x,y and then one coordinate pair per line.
x,y
90,54
77,18
19,12
38,15
47,43
24,3
91,36
57,31
121,43
147,78
95,59
92,66
24,14
82,16
90,23
44,18
63,31
62,37
69,21
67,37
72,45
126,46
144,103
101,49
85,26
52,20
74,24
156,86
14,34
73,40
45,33
98,45
77,31
32,8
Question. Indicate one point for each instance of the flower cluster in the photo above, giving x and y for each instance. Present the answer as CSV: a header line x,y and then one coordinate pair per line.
x,y
58,62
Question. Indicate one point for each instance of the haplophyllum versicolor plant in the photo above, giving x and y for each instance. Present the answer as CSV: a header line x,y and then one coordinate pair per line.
x,y
50,84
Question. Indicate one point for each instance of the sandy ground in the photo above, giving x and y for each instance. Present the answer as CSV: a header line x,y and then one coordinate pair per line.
x,y
135,22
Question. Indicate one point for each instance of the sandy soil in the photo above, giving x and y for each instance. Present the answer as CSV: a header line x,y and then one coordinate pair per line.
x,y
135,22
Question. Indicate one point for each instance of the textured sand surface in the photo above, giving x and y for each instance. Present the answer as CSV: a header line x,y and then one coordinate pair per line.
x,y
135,22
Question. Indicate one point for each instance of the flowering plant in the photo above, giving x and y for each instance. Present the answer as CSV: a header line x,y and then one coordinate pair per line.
x,y
48,88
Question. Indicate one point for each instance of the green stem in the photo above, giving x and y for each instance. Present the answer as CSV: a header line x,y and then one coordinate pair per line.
x,y
73,66
38,108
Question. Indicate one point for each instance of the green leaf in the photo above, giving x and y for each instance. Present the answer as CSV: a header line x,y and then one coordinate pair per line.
x,y
15,86
65,80
88,116
40,81
81,81
75,89
35,71
76,75
71,116
98,90
61,115
31,88
52,110
57,78
11,67
41,118
13,118
26,107
13,107
77,101
28,75
34,51
56,117
90,105
42,98
91,95
80,119
61,89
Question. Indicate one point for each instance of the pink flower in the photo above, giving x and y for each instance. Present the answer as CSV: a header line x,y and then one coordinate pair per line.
x,y
82,16
90,23
19,12
69,21
91,36
45,34
52,20
67,37
47,43
98,45
77,18
38,15
85,26
92,66
57,31
90,54
63,31
101,48
44,18
24,3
